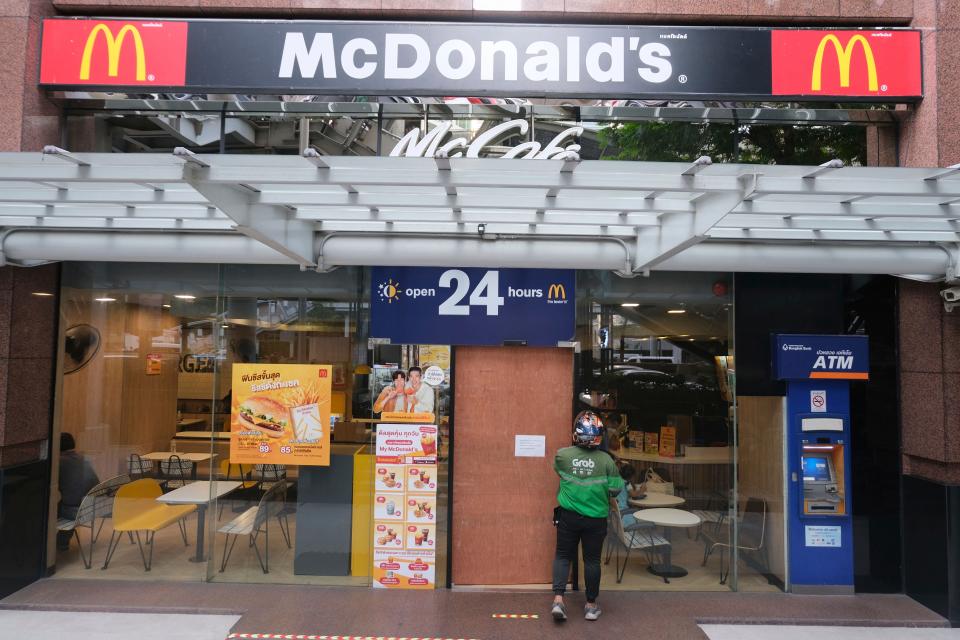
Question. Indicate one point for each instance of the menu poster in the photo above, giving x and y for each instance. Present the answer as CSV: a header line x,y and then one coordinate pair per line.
x,y
280,414
668,442
405,505
406,443
404,570
650,443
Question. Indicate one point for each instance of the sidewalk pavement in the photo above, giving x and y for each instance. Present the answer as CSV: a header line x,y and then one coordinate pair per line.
x,y
75,625
282,609
781,632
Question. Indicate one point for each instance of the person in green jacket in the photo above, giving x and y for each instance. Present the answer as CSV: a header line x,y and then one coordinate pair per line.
x,y
588,478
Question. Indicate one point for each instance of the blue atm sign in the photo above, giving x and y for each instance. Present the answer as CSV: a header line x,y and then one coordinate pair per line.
x,y
426,305
815,357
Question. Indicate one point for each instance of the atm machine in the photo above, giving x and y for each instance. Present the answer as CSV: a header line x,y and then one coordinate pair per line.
x,y
818,370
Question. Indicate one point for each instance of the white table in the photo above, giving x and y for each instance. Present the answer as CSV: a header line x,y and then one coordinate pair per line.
x,y
667,518
652,500
163,456
200,494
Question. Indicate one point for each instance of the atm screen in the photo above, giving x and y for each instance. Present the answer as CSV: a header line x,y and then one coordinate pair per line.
x,y
816,469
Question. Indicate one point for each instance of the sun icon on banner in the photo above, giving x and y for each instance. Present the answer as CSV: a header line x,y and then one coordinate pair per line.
x,y
389,291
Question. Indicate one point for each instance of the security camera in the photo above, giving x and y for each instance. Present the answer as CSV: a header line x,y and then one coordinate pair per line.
x,y
481,229
951,298
950,294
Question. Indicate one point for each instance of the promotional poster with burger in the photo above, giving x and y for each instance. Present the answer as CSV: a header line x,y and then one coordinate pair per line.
x,y
280,414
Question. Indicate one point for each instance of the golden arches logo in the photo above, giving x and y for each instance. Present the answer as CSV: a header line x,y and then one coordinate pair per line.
x,y
557,291
114,47
844,55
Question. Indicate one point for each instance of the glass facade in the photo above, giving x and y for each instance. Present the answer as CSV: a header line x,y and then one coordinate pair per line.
x,y
146,402
146,398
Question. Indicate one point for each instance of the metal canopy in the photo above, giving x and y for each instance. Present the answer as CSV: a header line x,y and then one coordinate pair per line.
x,y
325,211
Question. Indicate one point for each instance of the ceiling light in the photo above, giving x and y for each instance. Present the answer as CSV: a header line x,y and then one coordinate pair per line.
x,y
41,294
683,335
676,310
105,299
693,339
166,306
496,5
225,326
185,296
630,304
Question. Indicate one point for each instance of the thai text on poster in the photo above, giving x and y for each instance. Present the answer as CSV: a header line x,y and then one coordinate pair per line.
x,y
280,414
405,507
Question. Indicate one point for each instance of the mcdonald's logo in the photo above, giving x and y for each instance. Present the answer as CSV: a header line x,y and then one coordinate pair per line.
x,y
114,47
844,58
557,292
880,64
113,53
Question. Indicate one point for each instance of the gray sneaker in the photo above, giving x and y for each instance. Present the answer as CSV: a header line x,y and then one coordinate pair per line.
x,y
559,612
591,612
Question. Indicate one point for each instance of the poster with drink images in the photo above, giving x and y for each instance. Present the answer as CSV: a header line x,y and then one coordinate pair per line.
x,y
280,414
405,504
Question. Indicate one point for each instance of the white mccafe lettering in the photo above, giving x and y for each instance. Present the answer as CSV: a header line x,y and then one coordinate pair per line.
x,y
408,56
432,144
583,464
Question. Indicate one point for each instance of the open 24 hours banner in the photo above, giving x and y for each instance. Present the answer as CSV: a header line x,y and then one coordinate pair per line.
x,y
280,414
456,59
405,507
463,305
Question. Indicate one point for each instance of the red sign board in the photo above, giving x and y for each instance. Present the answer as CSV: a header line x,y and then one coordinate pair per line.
x,y
114,53
846,63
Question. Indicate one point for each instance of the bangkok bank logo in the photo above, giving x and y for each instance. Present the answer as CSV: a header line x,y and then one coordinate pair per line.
x,y
114,46
844,56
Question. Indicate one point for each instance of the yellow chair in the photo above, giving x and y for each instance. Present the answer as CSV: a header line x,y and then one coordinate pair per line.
x,y
135,509
232,471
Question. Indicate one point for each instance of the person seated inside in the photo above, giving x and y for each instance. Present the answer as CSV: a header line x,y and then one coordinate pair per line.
x,y
631,490
77,477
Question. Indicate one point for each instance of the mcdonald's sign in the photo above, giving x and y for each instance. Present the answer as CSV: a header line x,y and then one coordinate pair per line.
x,y
114,53
557,292
875,64
365,58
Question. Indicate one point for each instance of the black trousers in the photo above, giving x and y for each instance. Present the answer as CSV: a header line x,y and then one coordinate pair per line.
x,y
575,530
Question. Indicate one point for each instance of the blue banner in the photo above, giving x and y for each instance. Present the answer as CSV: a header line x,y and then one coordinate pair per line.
x,y
803,357
426,305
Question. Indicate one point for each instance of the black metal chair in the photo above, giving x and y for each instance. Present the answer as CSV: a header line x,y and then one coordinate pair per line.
x,y
751,536
255,522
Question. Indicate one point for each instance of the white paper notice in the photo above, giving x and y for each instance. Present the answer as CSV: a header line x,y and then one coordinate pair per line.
x,y
530,446
822,536
818,402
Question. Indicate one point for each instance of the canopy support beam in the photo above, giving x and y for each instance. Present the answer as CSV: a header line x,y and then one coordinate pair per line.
x,y
679,231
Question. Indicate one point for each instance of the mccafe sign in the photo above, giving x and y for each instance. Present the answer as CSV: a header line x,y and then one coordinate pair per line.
x,y
471,59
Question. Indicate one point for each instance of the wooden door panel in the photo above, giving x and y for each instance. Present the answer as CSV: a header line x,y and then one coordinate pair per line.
x,y
502,504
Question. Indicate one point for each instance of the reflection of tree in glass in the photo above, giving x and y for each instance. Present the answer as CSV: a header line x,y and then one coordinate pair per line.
x,y
759,144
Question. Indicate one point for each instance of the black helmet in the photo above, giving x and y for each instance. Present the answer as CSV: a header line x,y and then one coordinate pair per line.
x,y
587,430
